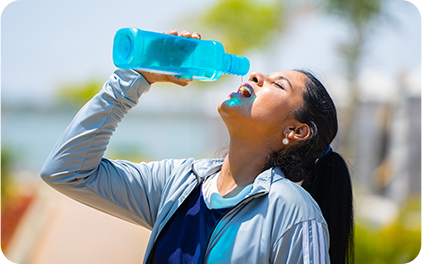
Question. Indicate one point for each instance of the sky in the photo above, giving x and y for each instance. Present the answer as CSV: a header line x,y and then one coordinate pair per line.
x,y
47,43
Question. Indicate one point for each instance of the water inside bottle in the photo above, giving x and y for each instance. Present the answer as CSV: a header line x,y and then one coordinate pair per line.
x,y
177,51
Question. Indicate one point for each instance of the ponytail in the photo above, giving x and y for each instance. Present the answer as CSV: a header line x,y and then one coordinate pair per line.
x,y
323,173
330,185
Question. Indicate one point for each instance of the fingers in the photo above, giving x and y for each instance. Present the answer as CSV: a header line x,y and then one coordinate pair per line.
x,y
172,32
185,34
196,35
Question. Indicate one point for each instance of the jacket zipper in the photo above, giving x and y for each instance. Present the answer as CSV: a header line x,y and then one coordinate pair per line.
x,y
237,207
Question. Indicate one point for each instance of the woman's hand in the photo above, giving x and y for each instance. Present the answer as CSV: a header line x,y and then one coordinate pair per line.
x,y
158,77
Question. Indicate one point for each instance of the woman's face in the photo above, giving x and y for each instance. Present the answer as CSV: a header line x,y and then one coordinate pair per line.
x,y
263,107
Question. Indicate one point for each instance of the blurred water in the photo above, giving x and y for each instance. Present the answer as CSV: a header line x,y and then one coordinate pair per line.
x,y
32,135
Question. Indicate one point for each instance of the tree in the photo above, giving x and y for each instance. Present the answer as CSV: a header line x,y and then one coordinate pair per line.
x,y
359,15
244,24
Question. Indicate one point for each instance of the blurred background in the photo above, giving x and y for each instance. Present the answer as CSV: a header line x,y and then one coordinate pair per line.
x,y
55,55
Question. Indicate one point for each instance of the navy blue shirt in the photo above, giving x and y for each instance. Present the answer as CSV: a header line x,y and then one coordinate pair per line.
x,y
185,236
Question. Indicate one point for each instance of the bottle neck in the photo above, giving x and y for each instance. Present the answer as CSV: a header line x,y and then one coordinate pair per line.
x,y
236,65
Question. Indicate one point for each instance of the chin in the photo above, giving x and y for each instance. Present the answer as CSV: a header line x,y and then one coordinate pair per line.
x,y
224,110
221,109
230,111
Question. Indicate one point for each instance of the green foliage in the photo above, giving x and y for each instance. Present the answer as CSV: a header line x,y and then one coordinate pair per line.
x,y
6,175
243,24
357,12
360,16
399,242
76,95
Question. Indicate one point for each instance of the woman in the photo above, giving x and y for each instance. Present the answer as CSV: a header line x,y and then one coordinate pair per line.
x,y
245,208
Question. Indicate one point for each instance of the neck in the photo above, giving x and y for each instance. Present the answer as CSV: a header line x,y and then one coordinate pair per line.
x,y
242,165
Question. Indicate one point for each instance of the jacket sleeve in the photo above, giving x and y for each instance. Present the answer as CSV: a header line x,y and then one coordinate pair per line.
x,y
306,242
76,166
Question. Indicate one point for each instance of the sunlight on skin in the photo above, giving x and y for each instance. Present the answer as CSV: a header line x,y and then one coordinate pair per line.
x,y
236,101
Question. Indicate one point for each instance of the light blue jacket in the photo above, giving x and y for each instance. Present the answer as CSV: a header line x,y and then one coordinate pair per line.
x,y
278,222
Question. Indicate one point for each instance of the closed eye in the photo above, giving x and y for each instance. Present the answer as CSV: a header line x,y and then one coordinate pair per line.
x,y
279,85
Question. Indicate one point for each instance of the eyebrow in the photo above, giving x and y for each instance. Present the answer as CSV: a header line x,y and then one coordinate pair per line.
x,y
284,78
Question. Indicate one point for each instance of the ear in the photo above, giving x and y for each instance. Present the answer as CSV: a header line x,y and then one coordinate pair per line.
x,y
300,131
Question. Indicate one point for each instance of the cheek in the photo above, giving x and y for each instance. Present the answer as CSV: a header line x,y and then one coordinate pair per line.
x,y
270,110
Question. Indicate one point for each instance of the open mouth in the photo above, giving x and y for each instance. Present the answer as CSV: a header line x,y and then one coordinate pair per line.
x,y
245,90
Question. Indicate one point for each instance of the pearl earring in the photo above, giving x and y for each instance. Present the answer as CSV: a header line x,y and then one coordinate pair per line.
x,y
285,140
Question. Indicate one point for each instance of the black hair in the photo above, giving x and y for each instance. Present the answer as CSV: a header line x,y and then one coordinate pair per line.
x,y
323,174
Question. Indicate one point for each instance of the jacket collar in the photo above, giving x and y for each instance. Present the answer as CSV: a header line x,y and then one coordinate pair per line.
x,y
207,167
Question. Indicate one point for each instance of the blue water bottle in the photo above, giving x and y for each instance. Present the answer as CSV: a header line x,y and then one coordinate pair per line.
x,y
203,60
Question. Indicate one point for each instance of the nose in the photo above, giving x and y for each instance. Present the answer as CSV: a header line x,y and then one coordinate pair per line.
x,y
257,78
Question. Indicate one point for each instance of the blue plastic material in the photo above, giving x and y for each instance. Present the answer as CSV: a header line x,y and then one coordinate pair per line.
x,y
203,60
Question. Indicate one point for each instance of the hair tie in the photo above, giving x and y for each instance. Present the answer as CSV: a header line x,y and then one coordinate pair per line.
x,y
323,154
